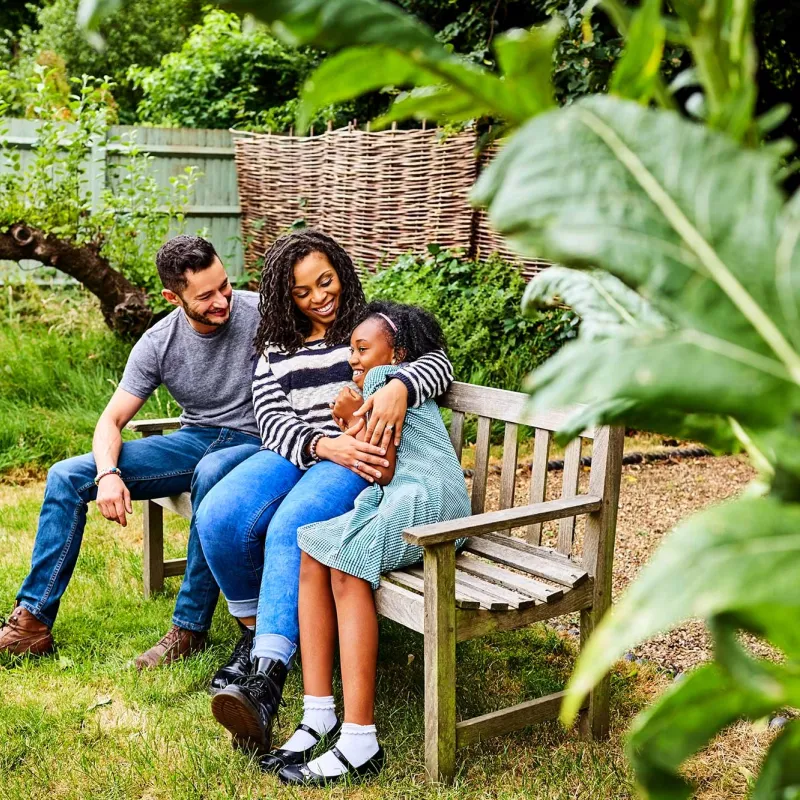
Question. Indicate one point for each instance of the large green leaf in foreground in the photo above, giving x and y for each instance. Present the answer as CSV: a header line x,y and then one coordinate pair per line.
x,y
691,222
678,212
737,565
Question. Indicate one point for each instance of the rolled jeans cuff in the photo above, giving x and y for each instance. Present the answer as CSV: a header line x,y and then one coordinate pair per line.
x,y
189,626
243,608
276,647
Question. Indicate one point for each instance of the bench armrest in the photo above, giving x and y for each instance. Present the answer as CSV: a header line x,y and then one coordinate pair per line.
x,y
153,425
491,521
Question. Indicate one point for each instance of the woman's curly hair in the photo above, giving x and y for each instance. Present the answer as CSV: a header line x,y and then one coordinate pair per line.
x,y
282,323
417,331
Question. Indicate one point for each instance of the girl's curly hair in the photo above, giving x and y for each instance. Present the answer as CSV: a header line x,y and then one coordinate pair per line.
x,y
282,323
418,331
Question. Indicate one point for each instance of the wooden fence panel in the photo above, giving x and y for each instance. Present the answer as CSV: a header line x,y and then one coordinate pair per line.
x,y
214,211
380,194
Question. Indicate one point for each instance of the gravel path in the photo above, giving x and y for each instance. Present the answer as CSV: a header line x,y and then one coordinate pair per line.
x,y
653,499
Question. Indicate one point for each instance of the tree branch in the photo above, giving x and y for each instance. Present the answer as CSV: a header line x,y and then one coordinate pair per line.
x,y
123,305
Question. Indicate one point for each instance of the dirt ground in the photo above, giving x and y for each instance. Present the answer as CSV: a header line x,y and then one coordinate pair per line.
x,y
653,499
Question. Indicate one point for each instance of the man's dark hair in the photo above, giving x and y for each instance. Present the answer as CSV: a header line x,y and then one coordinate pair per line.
x,y
282,323
180,254
415,332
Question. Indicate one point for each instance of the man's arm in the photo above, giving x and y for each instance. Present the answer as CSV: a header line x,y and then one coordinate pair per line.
x,y
113,497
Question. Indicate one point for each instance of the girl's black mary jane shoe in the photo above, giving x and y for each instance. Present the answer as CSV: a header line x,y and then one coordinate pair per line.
x,y
301,775
277,759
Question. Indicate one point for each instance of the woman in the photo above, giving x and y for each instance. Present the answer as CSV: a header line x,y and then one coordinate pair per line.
x,y
308,471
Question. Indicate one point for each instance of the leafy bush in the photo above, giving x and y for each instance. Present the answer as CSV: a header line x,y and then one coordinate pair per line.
x,y
477,304
226,74
141,33
124,223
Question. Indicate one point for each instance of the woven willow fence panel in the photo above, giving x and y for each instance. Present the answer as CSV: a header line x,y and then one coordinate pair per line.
x,y
380,194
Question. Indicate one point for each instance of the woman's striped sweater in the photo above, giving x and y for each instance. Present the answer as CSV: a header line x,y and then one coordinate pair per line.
x,y
292,393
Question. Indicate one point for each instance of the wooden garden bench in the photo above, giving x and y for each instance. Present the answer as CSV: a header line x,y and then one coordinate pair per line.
x,y
498,582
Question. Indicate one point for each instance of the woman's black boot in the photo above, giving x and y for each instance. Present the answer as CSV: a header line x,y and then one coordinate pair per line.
x,y
238,665
248,706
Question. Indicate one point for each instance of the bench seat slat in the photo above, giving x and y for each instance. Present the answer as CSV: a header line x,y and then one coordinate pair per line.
x,y
527,562
515,600
535,549
179,504
464,589
417,584
513,581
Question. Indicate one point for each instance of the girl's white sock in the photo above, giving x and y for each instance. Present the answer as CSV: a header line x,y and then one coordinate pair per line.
x,y
319,713
357,743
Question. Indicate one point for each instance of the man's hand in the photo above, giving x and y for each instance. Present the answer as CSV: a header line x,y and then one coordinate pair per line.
x,y
360,457
388,406
114,499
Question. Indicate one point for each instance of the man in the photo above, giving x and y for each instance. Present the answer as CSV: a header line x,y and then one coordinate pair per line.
x,y
203,353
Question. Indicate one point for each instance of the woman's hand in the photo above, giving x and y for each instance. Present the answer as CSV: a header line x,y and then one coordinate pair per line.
x,y
360,457
388,406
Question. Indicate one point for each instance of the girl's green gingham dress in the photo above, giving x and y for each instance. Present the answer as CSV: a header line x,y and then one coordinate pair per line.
x,y
428,486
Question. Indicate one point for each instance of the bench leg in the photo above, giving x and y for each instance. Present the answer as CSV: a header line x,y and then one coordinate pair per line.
x,y
594,720
440,663
153,542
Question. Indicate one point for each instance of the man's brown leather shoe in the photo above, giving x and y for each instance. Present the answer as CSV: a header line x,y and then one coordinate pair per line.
x,y
23,634
178,643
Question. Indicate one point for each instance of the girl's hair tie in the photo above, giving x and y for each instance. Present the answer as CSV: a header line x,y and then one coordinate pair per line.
x,y
391,324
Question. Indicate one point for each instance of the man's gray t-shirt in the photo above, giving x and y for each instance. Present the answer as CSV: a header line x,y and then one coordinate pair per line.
x,y
209,375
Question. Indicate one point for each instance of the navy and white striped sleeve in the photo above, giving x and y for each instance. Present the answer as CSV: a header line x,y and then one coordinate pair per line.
x,y
282,430
427,377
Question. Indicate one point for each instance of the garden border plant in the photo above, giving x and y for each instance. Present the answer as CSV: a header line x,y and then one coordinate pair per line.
x,y
107,241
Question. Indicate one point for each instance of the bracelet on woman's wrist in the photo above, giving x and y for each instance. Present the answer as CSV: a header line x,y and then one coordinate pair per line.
x,y
312,447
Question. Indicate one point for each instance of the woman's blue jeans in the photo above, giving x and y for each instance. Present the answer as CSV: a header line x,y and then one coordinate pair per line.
x,y
248,529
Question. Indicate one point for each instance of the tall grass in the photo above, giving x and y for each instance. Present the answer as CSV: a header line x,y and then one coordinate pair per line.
x,y
59,365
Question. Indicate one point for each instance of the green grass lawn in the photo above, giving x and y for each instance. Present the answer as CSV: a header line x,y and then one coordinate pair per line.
x,y
83,723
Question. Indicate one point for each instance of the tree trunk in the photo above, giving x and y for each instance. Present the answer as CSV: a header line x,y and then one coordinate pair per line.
x,y
124,306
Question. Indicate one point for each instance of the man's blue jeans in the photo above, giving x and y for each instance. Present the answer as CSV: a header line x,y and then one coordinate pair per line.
x,y
248,528
191,459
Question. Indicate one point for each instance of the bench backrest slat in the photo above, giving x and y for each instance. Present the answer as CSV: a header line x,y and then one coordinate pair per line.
x,y
541,455
507,406
569,488
457,432
513,409
480,476
508,472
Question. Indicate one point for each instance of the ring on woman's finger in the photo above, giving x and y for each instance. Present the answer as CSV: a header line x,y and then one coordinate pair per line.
x,y
390,427
357,464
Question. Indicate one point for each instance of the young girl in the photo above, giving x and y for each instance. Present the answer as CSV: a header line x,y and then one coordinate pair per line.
x,y
343,558
307,470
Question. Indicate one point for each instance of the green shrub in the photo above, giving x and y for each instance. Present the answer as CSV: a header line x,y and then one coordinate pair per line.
x,y
227,74
141,33
478,305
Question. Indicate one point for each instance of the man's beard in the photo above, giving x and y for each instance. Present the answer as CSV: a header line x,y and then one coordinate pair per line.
x,y
203,320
